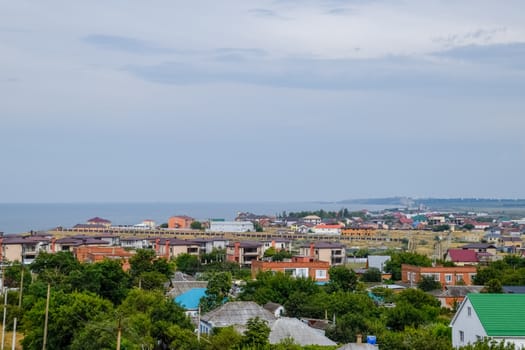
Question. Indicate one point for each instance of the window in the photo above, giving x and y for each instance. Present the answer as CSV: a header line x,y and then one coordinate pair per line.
x,y
320,274
469,311
461,336
459,278
448,278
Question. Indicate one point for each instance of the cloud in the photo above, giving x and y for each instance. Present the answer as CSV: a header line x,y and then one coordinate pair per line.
x,y
479,36
505,55
388,73
127,44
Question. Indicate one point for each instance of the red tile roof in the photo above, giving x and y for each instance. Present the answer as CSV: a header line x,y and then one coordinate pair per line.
x,y
463,255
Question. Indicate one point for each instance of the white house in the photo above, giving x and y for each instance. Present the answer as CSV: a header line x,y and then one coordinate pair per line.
x,y
497,316
325,229
231,226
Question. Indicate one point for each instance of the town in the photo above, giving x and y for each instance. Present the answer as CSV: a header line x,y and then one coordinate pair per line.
x,y
314,280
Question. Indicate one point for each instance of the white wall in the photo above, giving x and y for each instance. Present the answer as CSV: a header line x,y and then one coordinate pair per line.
x,y
470,325
231,226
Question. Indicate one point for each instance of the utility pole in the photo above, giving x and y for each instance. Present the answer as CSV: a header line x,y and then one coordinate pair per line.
x,y
46,317
21,287
5,311
13,343
119,333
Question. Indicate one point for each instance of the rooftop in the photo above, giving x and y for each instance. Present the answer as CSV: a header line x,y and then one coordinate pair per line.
x,y
500,314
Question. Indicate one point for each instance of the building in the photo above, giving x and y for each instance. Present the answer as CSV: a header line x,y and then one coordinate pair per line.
x,y
181,222
327,229
23,248
498,316
333,253
447,276
231,226
462,257
302,334
207,245
311,219
99,221
299,266
93,254
244,252
234,314
170,248
277,244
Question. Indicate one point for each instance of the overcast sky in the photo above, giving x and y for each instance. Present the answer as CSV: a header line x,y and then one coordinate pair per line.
x,y
282,100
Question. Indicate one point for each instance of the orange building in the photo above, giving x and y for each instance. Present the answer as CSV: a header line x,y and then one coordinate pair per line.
x,y
181,221
447,276
91,254
299,266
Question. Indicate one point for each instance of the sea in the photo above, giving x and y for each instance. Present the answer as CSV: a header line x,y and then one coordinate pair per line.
x,y
26,217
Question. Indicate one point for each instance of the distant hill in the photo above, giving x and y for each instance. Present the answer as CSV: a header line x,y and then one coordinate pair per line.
x,y
441,203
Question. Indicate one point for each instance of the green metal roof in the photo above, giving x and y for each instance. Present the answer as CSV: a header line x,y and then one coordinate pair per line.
x,y
500,314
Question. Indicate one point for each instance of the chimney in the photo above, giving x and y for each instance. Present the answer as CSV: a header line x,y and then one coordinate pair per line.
x,y
273,243
359,338
53,241
312,249
167,247
157,246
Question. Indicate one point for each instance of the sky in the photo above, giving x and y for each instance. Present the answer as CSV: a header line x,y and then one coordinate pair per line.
x,y
278,100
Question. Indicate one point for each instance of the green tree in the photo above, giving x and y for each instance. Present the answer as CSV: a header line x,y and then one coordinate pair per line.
x,y
489,344
372,275
54,268
68,314
196,225
428,283
256,334
342,278
397,259
493,286
224,339
219,286
188,263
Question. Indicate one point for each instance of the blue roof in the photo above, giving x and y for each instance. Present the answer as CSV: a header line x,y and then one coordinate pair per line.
x,y
190,299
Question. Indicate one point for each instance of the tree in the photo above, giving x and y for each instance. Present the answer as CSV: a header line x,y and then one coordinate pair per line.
x,y
187,263
428,283
256,334
441,228
223,339
493,286
54,268
468,227
373,274
219,286
68,314
342,278
196,225
397,259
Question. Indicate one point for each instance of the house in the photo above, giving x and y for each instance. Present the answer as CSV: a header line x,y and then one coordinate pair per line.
x,y
68,243
377,261
452,296
276,309
298,266
234,314
327,229
447,276
231,226
510,244
302,334
498,316
170,248
462,257
311,219
333,253
92,254
244,252
181,222
277,244
135,243
99,221
207,245
23,249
